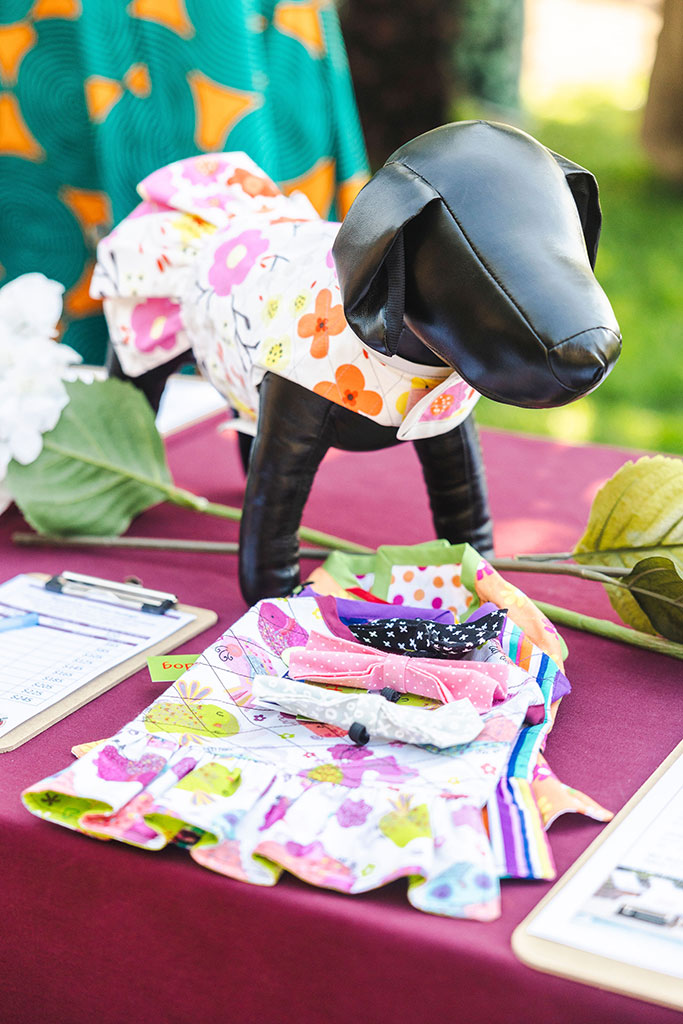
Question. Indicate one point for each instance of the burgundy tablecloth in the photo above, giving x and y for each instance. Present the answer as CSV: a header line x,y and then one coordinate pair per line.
x,y
102,932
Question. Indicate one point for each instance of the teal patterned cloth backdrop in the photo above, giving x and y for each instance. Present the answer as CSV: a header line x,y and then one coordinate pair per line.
x,y
96,94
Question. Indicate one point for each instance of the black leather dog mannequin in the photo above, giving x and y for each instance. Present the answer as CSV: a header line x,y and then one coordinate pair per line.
x,y
473,246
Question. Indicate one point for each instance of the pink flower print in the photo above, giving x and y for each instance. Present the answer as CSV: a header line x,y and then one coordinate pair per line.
x,y
542,770
159,186
347,752
353,812
234,259
214,201
201,170
449,402
185,765
484,569
155,324
144,209
115,767
275,812
440,408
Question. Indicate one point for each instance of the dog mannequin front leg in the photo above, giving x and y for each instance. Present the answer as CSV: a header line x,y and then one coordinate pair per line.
x,y
292,438
454,473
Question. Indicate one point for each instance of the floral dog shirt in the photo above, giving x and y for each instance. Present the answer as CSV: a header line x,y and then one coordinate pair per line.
x,y
217,260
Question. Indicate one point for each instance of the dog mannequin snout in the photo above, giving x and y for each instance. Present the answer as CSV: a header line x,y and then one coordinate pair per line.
x,y
581,362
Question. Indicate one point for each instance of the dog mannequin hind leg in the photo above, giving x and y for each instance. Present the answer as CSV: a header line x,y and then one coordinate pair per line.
x,y
151,383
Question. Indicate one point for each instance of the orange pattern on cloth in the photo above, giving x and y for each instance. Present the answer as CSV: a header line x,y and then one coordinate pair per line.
x,y
349,390
326,320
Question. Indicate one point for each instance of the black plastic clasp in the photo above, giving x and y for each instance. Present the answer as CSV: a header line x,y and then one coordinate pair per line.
x,y
390,694
359,734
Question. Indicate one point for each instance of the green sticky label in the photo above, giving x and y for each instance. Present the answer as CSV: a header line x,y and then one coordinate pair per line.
x,y
167,667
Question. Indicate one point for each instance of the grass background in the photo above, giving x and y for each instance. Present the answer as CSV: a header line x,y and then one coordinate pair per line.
x,y
640,266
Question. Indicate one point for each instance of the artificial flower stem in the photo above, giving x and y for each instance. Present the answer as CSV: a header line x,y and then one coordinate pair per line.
x,y
599,574
559,556
148,543
186,499
324,540
528,564
610,630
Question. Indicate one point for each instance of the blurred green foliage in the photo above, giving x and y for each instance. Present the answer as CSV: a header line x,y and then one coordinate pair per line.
x,y
640,266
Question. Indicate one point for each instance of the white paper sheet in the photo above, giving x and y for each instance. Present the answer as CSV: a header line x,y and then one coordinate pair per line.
x,y
76,640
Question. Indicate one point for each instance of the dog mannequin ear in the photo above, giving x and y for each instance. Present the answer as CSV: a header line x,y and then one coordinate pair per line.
x,y
368,253
584,189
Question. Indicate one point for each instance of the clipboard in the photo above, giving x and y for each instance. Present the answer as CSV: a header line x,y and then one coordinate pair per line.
x,y
156,604
650,980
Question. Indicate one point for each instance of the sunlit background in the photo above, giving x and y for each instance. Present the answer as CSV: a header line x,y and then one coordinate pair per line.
x,y
585,77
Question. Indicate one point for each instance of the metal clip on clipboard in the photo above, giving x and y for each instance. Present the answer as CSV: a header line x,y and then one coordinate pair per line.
x,y
154,601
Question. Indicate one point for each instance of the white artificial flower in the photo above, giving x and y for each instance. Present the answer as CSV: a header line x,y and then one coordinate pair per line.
x,y
31,305
32,366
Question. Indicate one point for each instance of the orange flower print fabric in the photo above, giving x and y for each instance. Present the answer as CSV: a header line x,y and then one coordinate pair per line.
x,y
349,390
253,289
491,586
253,184
326,320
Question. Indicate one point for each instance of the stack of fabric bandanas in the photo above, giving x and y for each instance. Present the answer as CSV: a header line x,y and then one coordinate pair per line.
x,y
386,721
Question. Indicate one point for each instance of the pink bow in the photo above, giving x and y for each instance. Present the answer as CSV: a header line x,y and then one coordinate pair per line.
x,y
333,659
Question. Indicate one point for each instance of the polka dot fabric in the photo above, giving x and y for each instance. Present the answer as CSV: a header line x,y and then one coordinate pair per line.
x,y
334,660
430,586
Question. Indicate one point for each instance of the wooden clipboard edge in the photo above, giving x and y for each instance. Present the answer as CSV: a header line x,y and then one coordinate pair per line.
x,y
89,691
589,968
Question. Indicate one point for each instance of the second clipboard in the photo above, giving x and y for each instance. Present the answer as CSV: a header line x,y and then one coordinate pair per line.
x,y
547,939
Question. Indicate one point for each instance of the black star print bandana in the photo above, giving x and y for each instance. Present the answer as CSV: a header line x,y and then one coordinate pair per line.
x,y
426,639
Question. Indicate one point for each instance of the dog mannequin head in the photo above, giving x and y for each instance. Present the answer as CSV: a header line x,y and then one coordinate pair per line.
x,y
479,243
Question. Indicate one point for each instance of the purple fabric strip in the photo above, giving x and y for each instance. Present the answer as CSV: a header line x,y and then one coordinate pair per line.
x,y
506,832
479,613
334,616
561,686
335,610
369,610
516,863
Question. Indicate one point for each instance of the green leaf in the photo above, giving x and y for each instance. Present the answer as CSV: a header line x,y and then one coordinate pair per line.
x,y
102,465
637,514
658,588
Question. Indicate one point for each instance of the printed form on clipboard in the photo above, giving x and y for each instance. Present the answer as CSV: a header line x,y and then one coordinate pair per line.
x,y
90,634
616,918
